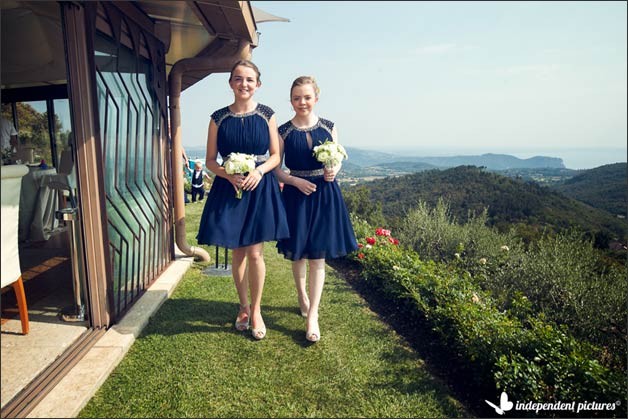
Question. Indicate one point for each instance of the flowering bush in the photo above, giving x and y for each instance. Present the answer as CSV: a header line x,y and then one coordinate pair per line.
x,y
381,241
516,350
561,275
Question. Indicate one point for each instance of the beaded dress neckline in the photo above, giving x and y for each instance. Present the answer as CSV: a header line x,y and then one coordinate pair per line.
x,y
242,115
307,129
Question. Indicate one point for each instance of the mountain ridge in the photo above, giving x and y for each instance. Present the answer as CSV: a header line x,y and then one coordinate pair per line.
x,y
604,187
492,161
509,201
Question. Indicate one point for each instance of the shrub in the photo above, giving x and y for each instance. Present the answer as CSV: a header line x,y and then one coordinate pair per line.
x,y
435,234
564,278
516,350
360,203
562,275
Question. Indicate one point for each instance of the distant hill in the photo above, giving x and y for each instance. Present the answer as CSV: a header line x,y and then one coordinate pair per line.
x,y
408,166
509,201
495,161
367,158
543,175
352,172
605,187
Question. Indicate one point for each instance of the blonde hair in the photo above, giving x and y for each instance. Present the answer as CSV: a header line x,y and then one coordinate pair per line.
x,y
246,63
300,81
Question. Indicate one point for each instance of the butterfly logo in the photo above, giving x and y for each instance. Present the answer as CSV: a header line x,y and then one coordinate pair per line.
x,y
504,404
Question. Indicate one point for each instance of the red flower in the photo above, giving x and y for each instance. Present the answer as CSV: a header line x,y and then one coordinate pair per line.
x,y
360,255
360,245
370,240
393,240
382,232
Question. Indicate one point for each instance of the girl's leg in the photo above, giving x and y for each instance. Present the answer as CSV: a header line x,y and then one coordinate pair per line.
x,y
257,276
298,272
238,270
317,280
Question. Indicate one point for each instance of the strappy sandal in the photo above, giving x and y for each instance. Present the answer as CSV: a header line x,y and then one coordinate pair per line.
x,y
243,325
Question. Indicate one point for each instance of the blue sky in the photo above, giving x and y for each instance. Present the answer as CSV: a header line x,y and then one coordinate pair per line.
x,y
446,78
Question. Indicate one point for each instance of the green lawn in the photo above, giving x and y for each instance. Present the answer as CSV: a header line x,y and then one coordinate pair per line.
x,y
191,362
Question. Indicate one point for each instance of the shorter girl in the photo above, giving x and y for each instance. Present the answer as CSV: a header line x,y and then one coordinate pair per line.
x,y
317,215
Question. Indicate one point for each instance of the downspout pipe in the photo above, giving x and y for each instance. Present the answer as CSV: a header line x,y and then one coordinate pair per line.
x,y
212,65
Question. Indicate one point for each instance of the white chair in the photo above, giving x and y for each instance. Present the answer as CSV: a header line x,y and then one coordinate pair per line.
x,y
11,274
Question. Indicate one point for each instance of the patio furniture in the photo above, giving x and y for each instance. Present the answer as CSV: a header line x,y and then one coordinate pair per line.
x,y
11,274
38,204
65,179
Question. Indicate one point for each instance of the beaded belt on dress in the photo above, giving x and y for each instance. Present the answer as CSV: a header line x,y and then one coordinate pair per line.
x,y
307,173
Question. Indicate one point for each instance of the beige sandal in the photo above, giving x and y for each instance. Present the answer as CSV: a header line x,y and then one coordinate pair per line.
x,y
313,334
243,325
258,334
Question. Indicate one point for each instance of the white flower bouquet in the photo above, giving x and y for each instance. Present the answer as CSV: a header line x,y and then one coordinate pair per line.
x,y
239,163
330,154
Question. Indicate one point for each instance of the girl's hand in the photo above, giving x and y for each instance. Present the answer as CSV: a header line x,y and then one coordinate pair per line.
x,y
330,174
236,180
304,186
252,180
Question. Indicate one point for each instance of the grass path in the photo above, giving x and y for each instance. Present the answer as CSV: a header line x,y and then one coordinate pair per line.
x,y
191,362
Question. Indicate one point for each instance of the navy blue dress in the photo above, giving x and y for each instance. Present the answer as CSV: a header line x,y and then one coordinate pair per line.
x,y
260,215
319,223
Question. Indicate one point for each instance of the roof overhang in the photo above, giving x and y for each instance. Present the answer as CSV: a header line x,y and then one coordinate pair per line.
x,y
200,28
188,29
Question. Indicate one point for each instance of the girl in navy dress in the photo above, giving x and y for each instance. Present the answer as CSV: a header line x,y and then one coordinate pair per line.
x,y
317,215
244,224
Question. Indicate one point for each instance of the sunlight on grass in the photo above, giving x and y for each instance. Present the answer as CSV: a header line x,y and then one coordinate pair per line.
x,y
191,362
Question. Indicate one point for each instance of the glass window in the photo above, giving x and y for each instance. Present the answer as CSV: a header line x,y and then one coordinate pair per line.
x,y
63,130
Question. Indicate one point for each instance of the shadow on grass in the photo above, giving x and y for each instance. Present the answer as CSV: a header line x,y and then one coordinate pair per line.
x,y
181,316
406,378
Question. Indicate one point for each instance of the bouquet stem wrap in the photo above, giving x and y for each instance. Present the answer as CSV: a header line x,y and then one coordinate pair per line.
x,y
239,163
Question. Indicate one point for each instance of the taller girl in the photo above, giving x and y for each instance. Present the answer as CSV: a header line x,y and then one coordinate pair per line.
x,y
244,224
317,216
